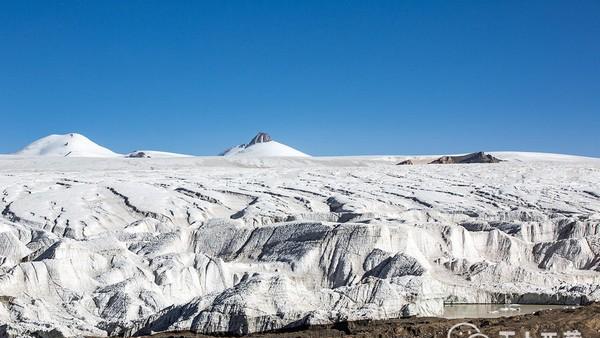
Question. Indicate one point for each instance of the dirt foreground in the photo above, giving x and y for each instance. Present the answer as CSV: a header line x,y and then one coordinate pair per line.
x,y
565,323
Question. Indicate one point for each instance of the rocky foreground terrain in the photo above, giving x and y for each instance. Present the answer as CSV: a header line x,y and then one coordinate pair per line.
x,y
119,246
584,320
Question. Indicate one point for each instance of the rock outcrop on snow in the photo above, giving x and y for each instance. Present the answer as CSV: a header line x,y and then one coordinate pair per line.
x,y
260,138
121,247
478,157
138,154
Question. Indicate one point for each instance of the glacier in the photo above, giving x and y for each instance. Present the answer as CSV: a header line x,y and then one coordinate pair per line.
x,y
125,246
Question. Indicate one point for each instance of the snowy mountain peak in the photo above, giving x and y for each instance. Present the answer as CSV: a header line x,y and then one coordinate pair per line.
x,y
260,138
67,145
262,145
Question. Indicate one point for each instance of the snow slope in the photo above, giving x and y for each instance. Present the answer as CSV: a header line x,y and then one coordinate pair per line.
x,y
263,146
67,145
522,156
154,154
268,149
117,246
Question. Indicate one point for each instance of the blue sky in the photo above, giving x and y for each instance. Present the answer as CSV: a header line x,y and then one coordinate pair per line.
x,y
327,77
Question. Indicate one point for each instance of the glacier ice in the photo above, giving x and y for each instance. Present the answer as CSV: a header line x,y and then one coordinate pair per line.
x,y
124,246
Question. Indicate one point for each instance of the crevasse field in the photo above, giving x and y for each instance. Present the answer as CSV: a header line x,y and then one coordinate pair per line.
x,y
130,246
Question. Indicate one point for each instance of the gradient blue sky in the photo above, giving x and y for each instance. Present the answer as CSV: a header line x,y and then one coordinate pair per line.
x,y
327,77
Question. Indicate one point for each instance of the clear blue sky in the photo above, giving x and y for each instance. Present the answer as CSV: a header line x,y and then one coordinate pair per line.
x,y
327,77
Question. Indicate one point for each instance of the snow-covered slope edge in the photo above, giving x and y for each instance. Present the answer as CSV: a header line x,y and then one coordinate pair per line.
x,y
154,154
523,156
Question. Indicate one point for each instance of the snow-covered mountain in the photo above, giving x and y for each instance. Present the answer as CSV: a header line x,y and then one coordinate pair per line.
x,y
77,145
262,145
67,145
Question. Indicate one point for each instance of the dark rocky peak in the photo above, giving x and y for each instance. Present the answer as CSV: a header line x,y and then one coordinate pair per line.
x,y
260,138
138,154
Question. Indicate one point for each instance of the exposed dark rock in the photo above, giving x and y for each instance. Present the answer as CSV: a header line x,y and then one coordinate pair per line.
x,y
138,154
405,162
478,157
260,138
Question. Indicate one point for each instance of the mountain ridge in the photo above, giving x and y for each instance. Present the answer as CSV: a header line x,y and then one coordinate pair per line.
x,y
261,145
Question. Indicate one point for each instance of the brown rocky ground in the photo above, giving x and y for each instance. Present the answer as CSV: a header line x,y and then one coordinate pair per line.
x,y
585,319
